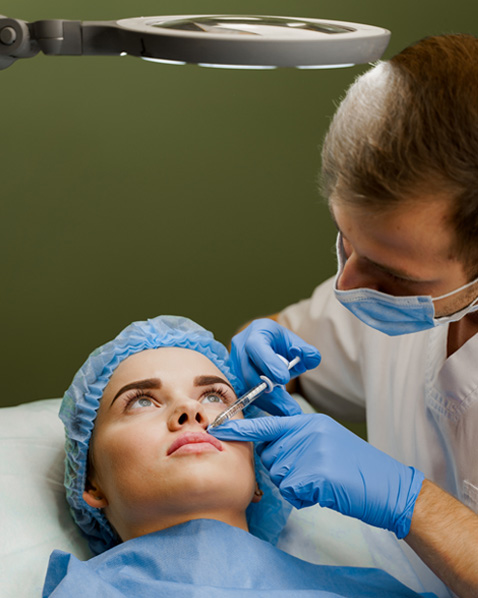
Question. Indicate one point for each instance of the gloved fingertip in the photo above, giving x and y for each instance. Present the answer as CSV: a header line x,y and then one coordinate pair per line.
x,y
315,360
298,369
310,356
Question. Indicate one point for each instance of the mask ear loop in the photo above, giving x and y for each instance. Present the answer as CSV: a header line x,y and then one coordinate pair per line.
x,y
465,286
340,253
470,308
341,258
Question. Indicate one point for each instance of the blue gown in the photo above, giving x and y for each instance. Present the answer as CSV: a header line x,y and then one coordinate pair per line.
x,y
206,558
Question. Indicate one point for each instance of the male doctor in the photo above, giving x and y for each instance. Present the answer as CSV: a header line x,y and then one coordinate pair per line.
x,y
397,326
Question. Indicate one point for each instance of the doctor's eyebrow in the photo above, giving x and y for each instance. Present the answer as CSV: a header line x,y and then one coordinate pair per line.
x,y
395,273
140,384
385,269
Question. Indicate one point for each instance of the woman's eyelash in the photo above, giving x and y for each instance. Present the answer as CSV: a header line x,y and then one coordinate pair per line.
x,y
140,393
134,396
217,390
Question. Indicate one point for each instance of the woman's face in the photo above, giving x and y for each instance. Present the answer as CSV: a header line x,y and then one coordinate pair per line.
x,y
154,464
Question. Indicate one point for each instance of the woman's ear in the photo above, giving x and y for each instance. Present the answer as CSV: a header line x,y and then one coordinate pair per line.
x,y
93,496
258,494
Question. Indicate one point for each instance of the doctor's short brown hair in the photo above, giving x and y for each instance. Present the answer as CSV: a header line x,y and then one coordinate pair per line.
x,y
409,128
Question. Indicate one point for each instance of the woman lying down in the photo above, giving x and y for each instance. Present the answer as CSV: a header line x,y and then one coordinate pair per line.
x,y
168,509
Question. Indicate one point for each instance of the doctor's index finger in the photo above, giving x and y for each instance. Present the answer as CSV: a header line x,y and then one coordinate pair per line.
x,y
265,359
262,429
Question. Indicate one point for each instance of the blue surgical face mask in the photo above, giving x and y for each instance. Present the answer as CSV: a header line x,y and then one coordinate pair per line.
x,y
395,315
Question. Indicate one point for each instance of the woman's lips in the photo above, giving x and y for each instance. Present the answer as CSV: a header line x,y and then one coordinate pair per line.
x,y
195,442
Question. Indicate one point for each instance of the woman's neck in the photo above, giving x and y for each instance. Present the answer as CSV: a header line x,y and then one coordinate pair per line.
x,y
131,531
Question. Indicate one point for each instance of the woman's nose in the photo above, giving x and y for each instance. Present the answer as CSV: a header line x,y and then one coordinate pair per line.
x,y
355,275
188,411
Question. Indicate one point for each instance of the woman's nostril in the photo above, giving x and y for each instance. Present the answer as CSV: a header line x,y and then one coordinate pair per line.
x,y
183,418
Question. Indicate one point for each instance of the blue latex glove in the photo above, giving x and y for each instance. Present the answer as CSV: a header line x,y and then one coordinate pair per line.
x,y
253,352
314,460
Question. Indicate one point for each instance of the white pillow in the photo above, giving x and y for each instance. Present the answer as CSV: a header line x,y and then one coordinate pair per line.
x,y
34,515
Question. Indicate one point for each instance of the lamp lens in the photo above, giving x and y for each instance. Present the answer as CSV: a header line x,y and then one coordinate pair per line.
x,y
261,26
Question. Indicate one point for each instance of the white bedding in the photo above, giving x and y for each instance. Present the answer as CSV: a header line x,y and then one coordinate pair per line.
x,y
34,516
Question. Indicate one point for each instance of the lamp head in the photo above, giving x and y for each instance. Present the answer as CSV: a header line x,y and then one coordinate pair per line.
x,y
212,40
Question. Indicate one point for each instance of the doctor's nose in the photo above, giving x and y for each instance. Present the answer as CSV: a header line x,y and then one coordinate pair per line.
x,y
356,275
188,412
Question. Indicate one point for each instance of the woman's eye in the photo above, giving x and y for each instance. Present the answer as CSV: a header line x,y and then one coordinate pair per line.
x,y
212,399
140,402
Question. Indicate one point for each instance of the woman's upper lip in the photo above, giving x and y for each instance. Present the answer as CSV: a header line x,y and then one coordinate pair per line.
x,y
191,438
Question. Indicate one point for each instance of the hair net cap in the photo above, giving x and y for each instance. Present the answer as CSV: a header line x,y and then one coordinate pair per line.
x,y
82,399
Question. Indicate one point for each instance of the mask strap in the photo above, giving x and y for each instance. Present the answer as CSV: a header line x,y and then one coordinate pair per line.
x,y
340,252
465,286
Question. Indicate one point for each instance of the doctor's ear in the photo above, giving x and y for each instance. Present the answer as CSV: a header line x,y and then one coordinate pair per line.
x,y
93,496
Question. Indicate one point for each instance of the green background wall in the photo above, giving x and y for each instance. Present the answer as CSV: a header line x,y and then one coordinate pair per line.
x,y
130,189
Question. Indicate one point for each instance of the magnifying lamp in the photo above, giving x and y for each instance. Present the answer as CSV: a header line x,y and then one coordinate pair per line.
x,y
236,41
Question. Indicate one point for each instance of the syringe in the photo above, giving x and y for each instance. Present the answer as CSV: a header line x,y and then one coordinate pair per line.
x,y
250,396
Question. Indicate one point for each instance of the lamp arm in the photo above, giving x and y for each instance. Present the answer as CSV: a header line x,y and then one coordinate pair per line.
x,y
19,39
75,38
15,41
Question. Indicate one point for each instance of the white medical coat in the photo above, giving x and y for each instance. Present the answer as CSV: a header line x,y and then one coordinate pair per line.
x,y
420,406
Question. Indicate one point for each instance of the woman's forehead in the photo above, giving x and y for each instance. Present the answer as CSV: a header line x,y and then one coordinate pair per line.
x,y
165,361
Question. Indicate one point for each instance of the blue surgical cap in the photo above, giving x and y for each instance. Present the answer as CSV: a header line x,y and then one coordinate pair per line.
x,y
81,402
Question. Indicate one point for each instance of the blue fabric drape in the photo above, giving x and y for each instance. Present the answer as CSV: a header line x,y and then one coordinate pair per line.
x,y
206,558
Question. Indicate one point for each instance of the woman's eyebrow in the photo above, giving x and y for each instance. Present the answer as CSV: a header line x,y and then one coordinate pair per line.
x,y
207,380
141,384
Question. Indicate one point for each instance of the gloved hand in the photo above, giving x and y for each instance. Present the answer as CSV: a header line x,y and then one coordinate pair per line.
x,y
314,460
253,353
